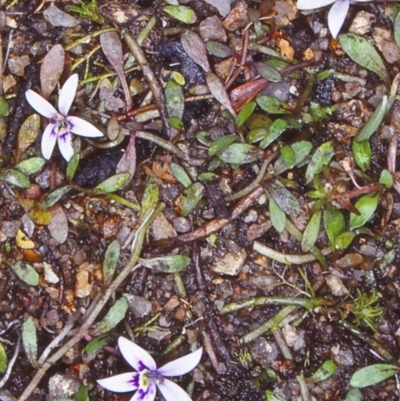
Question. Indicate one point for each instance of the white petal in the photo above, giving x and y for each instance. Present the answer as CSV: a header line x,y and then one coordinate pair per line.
x,y
172,392
120,383
40,104
49,139
136,356
312,4
150,394
337,15
64,141
81,127
181,365
67,94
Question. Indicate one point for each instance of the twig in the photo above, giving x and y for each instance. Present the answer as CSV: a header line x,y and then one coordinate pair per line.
x,y
155,86
287,258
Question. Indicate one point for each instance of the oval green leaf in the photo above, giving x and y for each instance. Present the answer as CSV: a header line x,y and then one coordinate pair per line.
x,y
26,273
277,216
363,53
112,184
29,340
181,175
311,232
113,317
334,222
181,13
15,177
325,371
31,166
320,158
274,132
55,196
240,153
72,166
366,205
374,122
373,374
111,258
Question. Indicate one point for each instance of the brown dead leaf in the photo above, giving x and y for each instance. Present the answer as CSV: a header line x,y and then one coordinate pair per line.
x,y
286,49
163,172
195,49
51,70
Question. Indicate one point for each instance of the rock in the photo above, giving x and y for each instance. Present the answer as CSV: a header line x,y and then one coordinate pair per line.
x,y
336,285
211,29
230,264
139,306
62,386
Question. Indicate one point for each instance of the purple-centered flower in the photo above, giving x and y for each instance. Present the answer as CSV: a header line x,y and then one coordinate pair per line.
x,y
147,377
337,13
61,125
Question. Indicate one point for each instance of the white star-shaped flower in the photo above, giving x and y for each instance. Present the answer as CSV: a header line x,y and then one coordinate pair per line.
x,y
337,13
147,377
61,125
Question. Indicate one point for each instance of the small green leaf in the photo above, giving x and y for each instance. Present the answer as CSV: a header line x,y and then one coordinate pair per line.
x,y
325,371
277,216
273,105
29,340
284,198
218,49
55,196
257,134
362,154
354,394
72,166
386,179
268,72
207,176
321,157
240,153
192,196
15,177
366,205
220,144
3,107
3,359
181,175
363,53
181,13
110,262
31,166
373,374
150,199
288,155
175,99
245,113
82,394
374,122
275,130
301,150
112,184
112,318
344,240
167,264
334,222
98,343
311,232
26,273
